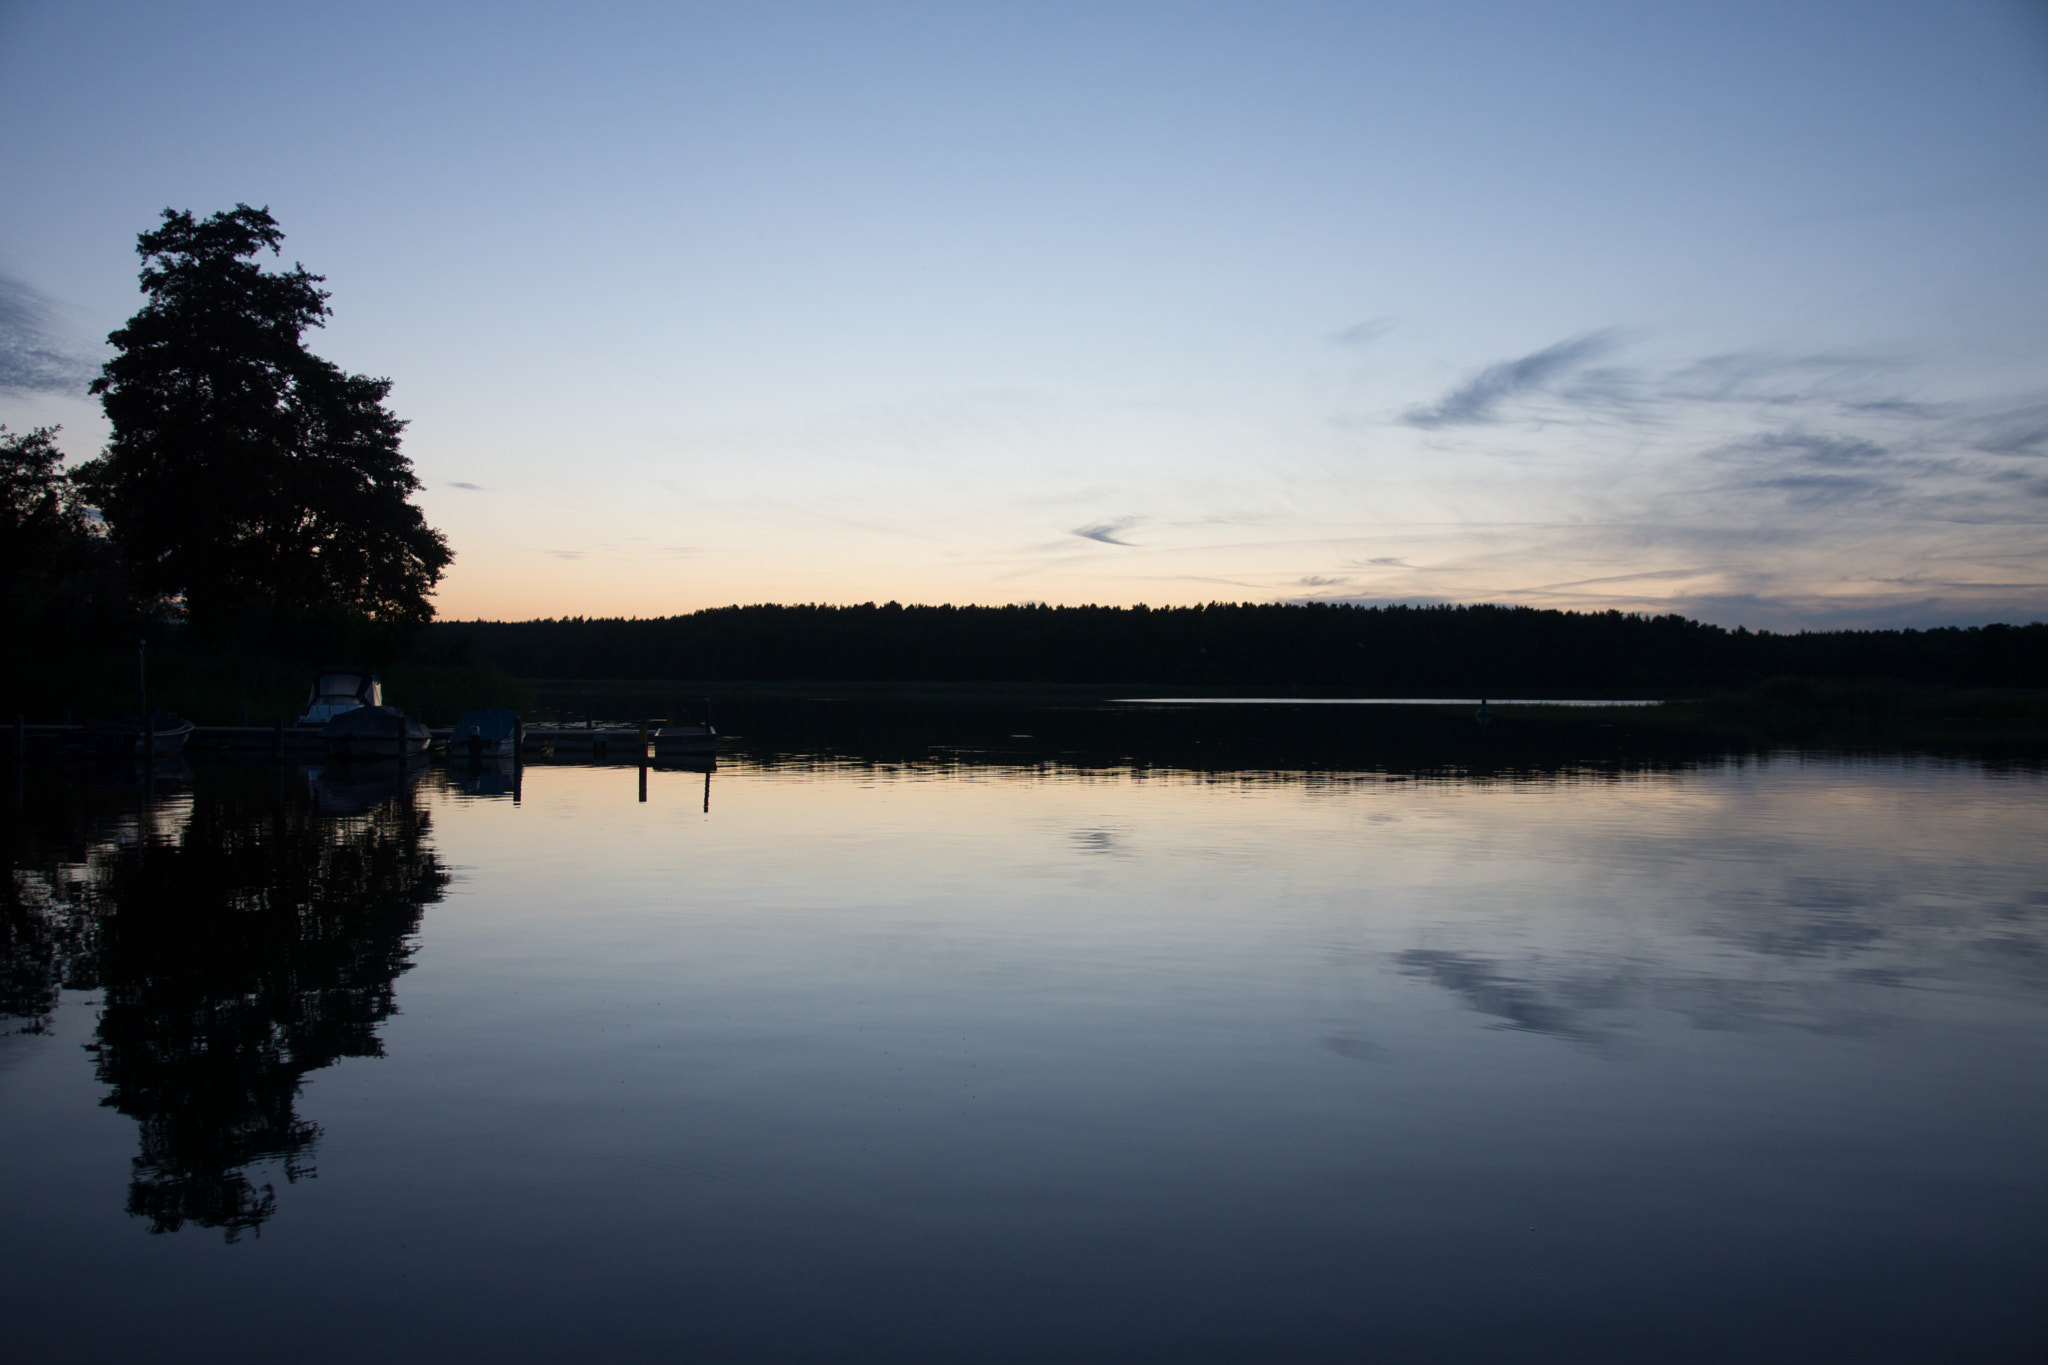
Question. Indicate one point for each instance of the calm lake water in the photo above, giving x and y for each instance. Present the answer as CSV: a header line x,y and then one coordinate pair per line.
x,y
1565,1050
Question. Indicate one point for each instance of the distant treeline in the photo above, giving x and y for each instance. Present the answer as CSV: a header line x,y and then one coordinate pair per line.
x,y
1373,651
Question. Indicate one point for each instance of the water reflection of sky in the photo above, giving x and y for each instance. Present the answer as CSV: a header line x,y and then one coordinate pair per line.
x,y
938,1061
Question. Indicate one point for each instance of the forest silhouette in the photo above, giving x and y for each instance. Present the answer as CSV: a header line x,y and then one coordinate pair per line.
x,y
1372,651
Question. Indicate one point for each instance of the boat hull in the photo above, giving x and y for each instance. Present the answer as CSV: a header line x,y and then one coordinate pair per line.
x,y
129,737
374,732
485,732
610,740
685,739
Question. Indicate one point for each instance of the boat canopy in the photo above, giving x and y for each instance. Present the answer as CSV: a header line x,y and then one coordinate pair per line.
x,y
364,689
493,725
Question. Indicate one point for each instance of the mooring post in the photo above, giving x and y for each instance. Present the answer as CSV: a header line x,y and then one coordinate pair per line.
x,y
148,721
20,737
643,781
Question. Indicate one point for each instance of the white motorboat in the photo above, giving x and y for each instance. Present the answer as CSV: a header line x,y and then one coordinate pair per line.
x,y
340,690
374,732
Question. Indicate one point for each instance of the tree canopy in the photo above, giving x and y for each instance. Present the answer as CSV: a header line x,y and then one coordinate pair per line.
x,y
57,577
38,512
262,484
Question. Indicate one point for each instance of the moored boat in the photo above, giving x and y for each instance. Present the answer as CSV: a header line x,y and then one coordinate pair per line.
x,y
685,739
598,738
339,690
485,731
374,732
133,736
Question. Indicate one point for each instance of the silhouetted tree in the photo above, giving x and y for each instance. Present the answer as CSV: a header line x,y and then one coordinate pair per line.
x,y
262,483
58,577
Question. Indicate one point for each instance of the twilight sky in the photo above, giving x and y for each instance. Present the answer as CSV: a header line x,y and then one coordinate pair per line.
x,y
1736,309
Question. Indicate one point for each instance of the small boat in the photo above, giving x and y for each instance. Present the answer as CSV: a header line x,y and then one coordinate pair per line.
x,y
486,730
687,739
374,732
340,690
134,736
597,737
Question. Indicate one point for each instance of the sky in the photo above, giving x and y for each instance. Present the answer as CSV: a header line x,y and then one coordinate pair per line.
x,y
1733,309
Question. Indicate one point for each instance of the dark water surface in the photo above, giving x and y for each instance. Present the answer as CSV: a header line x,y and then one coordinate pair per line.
x,y
995,1051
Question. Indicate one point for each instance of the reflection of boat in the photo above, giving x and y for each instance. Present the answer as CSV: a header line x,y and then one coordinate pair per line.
x,y
486,730
364,785
374,732
338,691
130,736
485,777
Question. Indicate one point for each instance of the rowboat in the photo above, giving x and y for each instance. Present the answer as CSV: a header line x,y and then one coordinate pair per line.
x,y
134,736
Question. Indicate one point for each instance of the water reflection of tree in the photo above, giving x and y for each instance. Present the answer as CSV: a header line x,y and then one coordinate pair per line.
x,y
258,944
48,930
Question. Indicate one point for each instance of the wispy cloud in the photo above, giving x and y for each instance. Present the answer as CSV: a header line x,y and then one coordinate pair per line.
x,y
32,359
2022,431
1812,448
472,487
1364,333
1900,407
1107,532
1479,398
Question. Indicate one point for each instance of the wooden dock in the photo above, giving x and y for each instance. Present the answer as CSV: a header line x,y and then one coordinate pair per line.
x,y
608,743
